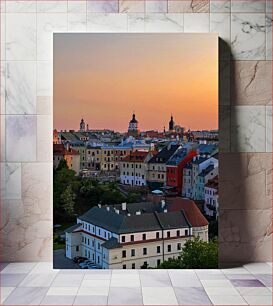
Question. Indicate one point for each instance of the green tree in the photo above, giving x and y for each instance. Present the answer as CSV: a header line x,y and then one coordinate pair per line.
x,y
199,254
62,164
196,254
68,200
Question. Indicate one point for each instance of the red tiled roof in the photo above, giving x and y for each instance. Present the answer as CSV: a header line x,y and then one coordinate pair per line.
x,y
137,156
59,149
191,210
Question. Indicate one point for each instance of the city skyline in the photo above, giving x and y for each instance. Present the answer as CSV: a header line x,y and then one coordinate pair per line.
x,y
103,78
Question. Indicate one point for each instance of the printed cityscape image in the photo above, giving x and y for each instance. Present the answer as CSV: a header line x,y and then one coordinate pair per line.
x,y
135,151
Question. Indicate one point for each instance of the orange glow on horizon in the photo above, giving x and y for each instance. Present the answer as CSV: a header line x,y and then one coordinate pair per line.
x,y
105,77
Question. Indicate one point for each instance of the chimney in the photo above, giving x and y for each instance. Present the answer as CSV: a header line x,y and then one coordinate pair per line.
x,y
138,213
163,203
123,206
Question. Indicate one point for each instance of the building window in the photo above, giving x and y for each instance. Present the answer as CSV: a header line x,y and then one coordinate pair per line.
x,y
186,232
169,248
123,266
98,245
178,246
133,265
133,252
158,249
144,251
157,235
77,248
122,238
132,238
143,236
178,233
123,254
168,234
158,262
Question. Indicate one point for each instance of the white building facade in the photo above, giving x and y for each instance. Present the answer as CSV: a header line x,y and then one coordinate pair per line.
x,y
129,246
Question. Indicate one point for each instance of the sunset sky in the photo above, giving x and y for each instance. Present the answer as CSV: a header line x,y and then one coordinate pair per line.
x,y
103,78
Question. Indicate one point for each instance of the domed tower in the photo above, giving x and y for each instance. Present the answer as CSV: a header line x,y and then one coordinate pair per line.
x,y
133,129
82,125
171,124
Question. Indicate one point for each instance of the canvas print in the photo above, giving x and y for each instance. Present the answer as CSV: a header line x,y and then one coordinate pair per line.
x,y
135,151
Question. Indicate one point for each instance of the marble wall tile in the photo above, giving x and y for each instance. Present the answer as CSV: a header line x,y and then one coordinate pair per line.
x,y
248,129
77,6
220,6
44,105
106,22
246,188
131,6
3,138
20,138
77,22
11,181
268,21
47,24
102,6
224,82
196,23
248,36
50,6
269,6
245,232
44,78
220,24
188,6
25,235
136,22
44,138
3,6
20,36
21,6
248,6
224,128
251,83
268,113
156,6
3,37
20,88
3,87
36,189
160,22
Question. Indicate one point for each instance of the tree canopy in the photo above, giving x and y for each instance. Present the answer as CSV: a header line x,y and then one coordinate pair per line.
x,y
196,254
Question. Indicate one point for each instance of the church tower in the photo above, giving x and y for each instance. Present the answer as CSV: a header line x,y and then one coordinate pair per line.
x,y
133,129
171,124
82,126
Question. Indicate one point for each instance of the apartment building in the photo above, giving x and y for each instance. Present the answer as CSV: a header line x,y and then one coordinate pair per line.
x,y
133,168
135,235
156,176
71,156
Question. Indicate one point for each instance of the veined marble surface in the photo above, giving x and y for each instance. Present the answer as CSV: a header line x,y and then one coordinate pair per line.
x,y
245,98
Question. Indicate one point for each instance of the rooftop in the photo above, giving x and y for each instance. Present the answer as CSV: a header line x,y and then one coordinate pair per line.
x,y
146,216
164,155
60,149
137,156
176,158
